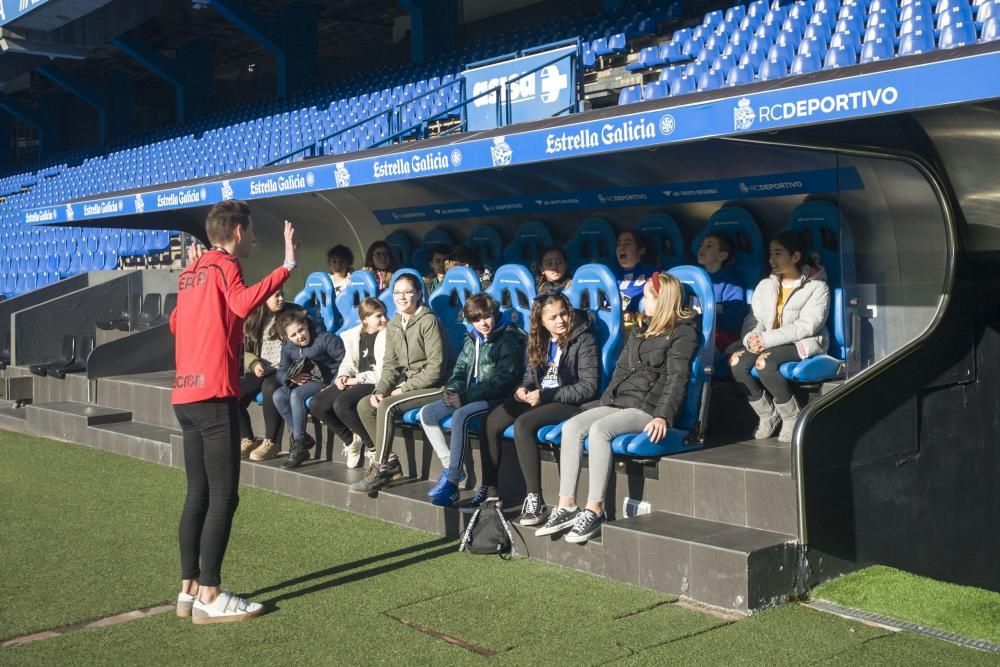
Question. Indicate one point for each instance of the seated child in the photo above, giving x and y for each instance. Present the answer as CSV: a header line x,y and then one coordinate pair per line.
x,y
487,371
715,255
630,249
462,256
339,259
553,274
379,262
438,255
310,357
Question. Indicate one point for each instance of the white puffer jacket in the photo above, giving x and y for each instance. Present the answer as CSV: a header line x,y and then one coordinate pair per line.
x,y
803,319
352,353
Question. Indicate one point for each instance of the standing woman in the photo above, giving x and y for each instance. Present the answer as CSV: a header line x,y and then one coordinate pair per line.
x,y
212,302
379,263
646,390
787,322
412,377
563,372
261,356
336,405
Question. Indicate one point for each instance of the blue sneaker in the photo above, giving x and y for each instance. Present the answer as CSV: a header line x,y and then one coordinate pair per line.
x,y
448,495
436,489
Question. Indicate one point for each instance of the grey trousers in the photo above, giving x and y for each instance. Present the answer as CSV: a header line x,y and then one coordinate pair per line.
x,y
601,425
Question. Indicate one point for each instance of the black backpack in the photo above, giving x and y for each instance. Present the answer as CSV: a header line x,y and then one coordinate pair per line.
x,y
488,532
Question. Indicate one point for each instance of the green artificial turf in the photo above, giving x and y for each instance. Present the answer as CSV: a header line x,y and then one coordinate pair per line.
x,y
971,612
87,534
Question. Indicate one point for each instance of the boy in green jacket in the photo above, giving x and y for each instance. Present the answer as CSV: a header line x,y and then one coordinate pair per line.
x,y
488,369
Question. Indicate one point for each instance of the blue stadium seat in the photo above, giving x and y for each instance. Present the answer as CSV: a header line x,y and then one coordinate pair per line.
x,y
839,56
772,69
317,297
740,227
805,63
420,259
737,76
655,90
386,296
485,241
593,241
459,283
630,95
831,242
682,86
529,241
513,287
662,232
875,50
912,43
709,80
991,30
648,57
956,14
399,243
360,286
687,432
957,34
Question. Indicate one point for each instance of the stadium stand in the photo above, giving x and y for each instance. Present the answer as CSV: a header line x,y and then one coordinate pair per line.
x,y
739,45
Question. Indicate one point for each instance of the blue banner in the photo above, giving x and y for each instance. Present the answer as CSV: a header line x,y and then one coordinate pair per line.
x,y
954,81
15,9
541,94
815,181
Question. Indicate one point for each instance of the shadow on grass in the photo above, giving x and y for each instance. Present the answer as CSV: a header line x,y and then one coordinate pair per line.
x,y
418,553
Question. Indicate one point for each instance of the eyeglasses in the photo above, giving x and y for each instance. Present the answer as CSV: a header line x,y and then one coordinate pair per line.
x,y
404,293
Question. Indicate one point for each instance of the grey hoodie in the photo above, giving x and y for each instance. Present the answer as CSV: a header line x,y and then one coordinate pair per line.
x,y
803,319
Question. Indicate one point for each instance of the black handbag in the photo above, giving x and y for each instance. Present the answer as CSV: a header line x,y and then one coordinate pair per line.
x,y
488,532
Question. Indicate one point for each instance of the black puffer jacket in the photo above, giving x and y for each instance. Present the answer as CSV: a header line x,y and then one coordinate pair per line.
x,y
652,373
579,367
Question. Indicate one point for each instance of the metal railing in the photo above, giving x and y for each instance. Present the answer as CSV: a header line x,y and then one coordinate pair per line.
x,y
420,129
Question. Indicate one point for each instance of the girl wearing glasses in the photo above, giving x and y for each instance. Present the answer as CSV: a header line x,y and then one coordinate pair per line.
x,y
411,377
487,370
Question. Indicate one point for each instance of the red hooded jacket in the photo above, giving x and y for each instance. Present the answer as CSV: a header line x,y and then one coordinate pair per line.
x,y
212,302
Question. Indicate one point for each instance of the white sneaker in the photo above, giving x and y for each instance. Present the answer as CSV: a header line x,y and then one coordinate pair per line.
x,y
352,452
184,604
227,608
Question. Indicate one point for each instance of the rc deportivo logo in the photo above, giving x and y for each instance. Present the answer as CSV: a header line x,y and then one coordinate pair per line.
x,y
553,83
69,212
227,190
341,175
140,205
743,115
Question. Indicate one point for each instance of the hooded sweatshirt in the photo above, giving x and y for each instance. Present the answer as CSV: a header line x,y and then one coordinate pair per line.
x,y
414,355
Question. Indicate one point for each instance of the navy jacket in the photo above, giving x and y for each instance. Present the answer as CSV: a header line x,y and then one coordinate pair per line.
x,y
326,351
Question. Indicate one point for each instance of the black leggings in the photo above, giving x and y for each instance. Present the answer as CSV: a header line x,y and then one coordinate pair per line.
x,y
526,420
250,386
212,461
770,377
339,410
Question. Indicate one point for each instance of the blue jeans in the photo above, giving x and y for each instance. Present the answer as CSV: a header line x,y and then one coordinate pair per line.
x,y
453,457
291,405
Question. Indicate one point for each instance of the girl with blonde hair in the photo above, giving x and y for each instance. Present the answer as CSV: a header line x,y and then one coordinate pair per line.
x,y
645,393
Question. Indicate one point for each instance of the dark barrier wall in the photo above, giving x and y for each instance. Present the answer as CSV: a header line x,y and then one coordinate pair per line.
x,y
35,297
39,329
142,352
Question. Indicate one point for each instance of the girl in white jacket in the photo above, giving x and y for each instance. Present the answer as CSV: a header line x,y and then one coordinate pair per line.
x,y
787,322
364,347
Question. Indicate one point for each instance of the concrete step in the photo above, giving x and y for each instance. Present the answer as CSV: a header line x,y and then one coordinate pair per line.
x,y
69,420
145,441
11,418
147,395
736,568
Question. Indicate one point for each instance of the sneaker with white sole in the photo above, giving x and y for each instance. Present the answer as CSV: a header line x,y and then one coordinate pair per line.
x,y
184,604
352,452
560,519
533,511
227,608
587,525
268,450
